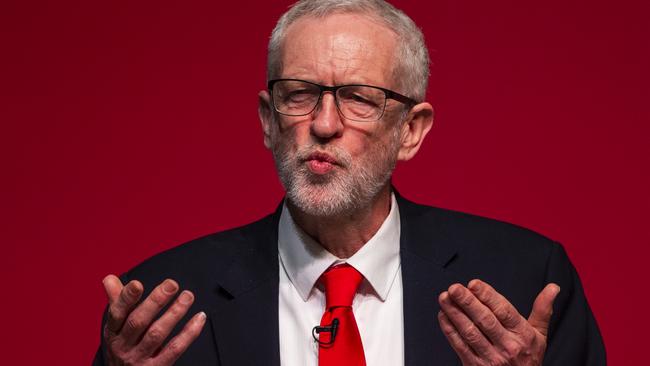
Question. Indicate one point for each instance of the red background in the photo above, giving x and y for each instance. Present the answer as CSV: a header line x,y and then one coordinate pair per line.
x,y
128,127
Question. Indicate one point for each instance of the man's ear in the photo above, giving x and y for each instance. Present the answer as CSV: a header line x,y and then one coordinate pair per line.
x,y
265,111
418,123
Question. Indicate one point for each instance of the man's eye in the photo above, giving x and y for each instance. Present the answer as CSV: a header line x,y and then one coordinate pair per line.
x,y
296,96
361,99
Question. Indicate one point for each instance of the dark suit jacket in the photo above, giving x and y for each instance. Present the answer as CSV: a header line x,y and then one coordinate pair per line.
x,y
234,275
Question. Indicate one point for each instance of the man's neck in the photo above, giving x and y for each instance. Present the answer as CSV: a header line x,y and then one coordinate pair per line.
x,y
343,235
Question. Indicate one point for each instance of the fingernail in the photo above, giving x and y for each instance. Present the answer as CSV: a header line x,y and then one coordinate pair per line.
x,y
133,290
454,289
185,298
202,316
474,285
106,278
443,296
169,286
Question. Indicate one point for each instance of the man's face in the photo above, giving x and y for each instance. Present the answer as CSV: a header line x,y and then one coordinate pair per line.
x,y
330,165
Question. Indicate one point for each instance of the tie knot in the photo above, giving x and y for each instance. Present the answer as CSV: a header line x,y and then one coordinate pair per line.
x,y
341,283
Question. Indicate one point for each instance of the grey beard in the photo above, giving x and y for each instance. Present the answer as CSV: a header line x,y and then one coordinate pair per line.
x,y
339,192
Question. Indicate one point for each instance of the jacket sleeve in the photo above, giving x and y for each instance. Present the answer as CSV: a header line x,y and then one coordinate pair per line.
x,y
574,338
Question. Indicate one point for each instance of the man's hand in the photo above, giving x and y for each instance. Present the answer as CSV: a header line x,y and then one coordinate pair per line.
x,y
485,329
133,337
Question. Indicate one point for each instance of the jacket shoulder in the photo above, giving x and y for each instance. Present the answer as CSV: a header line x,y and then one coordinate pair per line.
x,y
473,232
203,258
470,228
472,246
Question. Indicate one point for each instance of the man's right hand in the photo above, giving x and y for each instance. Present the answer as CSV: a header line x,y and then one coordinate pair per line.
x,y
133,337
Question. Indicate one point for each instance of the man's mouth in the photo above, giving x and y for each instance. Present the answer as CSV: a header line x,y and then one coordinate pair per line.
x,y
320,163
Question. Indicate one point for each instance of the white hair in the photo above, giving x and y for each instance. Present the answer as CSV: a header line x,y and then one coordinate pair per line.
x,y
412,57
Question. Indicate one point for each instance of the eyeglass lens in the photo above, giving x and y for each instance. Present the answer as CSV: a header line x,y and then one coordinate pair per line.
x,y
359,103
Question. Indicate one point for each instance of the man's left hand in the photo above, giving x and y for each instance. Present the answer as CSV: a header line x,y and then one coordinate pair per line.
x,y
484,328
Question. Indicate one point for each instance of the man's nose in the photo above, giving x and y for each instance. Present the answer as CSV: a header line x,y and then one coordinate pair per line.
x,y
326,121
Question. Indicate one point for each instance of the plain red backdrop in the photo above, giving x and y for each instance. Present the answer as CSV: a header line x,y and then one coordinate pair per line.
x,y
128,127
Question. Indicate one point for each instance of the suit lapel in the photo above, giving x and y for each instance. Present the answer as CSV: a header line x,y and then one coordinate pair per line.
x,y
245,319
425,252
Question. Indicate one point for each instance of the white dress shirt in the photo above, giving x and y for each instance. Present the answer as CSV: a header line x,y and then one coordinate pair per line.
x,y
377,306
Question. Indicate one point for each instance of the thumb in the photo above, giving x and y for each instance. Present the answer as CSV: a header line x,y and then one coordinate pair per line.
x,y
540,316
113,286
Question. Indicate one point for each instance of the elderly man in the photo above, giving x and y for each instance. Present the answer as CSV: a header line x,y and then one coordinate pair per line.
x,y
346,272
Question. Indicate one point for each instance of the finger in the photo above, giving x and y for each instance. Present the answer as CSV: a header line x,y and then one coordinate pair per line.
x,y
470,333
142,316
113,287
479,313
542,311
160,329
177,345
121,306
505,312
464,352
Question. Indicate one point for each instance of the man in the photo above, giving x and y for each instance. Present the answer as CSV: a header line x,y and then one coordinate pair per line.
x,y
346,272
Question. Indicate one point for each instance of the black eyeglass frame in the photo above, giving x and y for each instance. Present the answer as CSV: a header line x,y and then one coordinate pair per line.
x,y
324,88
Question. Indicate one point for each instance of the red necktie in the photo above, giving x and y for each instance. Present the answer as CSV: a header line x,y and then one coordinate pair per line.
x,y
346,349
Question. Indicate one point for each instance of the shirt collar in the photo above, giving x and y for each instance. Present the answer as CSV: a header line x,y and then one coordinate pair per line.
x,y
304,260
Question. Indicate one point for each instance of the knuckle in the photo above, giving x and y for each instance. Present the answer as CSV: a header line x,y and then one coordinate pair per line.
x,y
159,298
134,323
511,349
472,334
466,300
176,310
156,335
115,313
118,353
529,335
175,347
488,321
450,332
505,314
114,345
500,311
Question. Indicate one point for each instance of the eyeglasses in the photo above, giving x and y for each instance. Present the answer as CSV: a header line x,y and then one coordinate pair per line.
x,y
362,103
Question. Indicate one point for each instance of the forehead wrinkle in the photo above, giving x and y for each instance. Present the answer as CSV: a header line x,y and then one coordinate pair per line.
x,y
349,65
345,56
349,58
